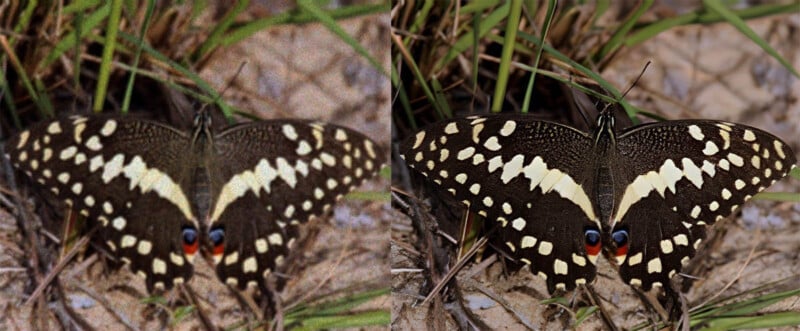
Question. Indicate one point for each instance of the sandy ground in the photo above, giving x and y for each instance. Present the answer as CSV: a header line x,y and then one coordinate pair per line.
x,y
697,72
289,71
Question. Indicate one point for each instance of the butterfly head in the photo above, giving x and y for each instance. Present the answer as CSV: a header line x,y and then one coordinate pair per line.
x,y
605,128
201,124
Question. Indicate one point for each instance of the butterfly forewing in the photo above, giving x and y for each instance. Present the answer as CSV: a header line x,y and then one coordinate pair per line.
x,y
109,170
676,177
534,178
284,173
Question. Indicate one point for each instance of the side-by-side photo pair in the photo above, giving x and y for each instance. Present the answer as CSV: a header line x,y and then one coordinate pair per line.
x,y
377,165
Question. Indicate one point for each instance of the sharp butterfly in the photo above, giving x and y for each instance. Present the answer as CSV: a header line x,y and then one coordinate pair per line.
x,y
560,195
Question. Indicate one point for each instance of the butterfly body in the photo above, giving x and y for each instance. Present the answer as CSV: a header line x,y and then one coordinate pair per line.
x,y
560,196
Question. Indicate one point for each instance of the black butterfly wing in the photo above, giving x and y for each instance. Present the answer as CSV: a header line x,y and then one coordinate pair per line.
x,y
108,170
273,176
535,178
679,177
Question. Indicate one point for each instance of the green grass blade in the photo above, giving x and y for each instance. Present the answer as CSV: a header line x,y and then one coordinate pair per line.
x,y
198,81
24,21
112,27
250,28
126,101
420,79
339,313
29,85
355,320
215,37
769,320
402,97
548,22
510,39
467,39
728,315
441,99
717,7
328,21
648,32
88,25
8,100
618,38
421,16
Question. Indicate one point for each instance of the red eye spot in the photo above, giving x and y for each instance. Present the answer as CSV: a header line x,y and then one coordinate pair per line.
x,y
218,250
592,242
217,237
620,238
190,242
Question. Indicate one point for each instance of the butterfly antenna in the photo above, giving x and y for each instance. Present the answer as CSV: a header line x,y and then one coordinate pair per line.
x,y
230,81
228,84
630,87
641,73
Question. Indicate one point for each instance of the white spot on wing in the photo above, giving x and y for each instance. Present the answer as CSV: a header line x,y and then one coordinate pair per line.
x,y
144,247
250,265
735,159
159,266
527,242
635,259
696,133
692,172
710,148
545,248
113,168
108,128
68,153
303,148
451,128
518,224
261,246
492,144
508,128
231,258
93,143
54,128
654,266
289,132
666,246
560,267
512,168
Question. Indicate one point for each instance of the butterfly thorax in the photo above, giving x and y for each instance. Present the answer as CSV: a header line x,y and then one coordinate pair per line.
x,y
604,138
202,150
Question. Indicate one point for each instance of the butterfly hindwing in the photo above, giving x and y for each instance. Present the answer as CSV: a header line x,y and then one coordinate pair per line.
x,y
285,173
